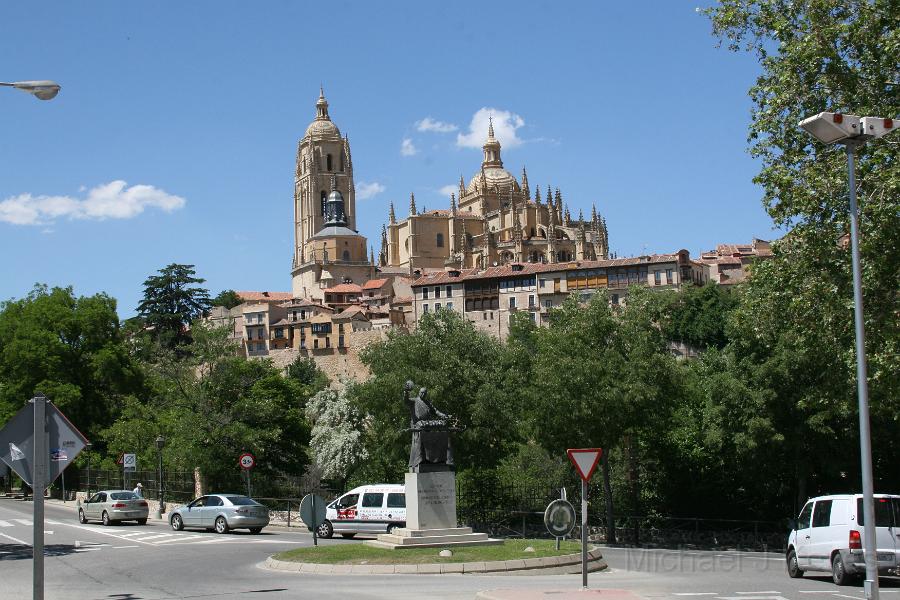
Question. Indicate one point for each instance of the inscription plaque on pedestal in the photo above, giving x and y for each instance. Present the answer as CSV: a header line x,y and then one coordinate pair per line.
x,y
431,500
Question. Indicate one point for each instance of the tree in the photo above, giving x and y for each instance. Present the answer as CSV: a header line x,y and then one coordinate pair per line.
x,y
227,298
697,315
71,349
336,443
171,302
793,335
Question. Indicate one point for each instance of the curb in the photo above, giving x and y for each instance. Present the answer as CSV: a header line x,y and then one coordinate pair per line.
x,y
550,565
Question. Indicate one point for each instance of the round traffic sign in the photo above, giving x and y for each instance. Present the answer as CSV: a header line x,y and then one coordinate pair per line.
x,y
560,518
247,461
312,510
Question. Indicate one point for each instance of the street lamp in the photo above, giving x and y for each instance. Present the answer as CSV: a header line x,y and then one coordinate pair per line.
x,y
43,90
853,132
160,506
87,451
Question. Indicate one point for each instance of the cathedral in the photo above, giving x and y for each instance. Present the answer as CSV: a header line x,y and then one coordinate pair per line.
x,y
494,220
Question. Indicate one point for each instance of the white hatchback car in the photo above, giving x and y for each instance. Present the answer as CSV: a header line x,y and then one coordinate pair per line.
x,y
829,536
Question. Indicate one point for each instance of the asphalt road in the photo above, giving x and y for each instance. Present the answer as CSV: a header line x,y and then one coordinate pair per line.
x,y
152,562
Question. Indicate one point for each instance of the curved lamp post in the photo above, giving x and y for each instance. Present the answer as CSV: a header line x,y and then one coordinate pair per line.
x,y
160,507
43,90
853,132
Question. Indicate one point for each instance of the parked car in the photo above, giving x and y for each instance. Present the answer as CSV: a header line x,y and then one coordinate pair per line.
x,y
114,506
367,509
221,513
829,535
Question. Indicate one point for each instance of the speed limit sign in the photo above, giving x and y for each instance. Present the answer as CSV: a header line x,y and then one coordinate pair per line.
x,y
247,461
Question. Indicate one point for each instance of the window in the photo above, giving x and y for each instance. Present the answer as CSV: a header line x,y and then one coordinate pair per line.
x,y
424,309
449,290
424,293
323,202
449,306
214,501
548,303
437,306
437,292
440,240
340,341
615,299
530,300
346,255
396,500
315,342
805,517
328,162
279,333
543,282
372,500
533,319
883,517
670,277
822,514
328,342
348,500
657,278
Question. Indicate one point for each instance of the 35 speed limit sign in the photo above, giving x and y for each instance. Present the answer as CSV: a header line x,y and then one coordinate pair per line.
x,y
247,461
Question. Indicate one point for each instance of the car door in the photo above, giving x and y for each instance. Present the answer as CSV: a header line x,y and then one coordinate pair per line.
x,y
346,509
804,522
396,507
192,515
885,528
820,536
92,506
371,511
211,510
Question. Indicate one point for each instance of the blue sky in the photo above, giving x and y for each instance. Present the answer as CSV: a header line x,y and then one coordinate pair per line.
x,y
174,136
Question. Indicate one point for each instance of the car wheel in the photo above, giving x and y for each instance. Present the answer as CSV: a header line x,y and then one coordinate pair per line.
x,y
347,536
391,528
838,574
221,525
793,566
81,518
106,520
255,530
176,522
325,530
142,521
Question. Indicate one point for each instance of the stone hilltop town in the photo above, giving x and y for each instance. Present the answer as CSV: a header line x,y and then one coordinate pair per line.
x,y
499,249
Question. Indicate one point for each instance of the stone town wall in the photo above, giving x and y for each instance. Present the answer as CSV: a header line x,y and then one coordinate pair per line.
x,y
337,363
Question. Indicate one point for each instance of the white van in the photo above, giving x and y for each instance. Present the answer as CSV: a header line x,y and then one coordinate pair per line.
x,y
369,509
829,536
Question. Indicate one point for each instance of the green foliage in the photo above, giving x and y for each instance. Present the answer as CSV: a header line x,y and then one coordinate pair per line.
x,y
71,349
171,302
226,298
697,315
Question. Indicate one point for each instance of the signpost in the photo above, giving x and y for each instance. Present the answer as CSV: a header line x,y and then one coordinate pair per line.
x,y
312,511
585,461
38,443
560,519
247,462
129,465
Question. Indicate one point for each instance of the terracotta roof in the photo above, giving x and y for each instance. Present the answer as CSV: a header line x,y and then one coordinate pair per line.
x,y
264,296
350,312
402,299
279,323
299,303
374,284
728,260
343,288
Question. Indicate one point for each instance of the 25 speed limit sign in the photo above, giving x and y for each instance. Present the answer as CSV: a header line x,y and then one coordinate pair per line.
x,y
247,461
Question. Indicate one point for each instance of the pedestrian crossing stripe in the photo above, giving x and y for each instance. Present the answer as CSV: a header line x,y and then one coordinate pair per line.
x,y
23,522
5,524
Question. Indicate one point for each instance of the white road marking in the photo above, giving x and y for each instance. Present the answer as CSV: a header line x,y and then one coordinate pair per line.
x,y
697,594
5,524
52,522
102,532
759,593
153,537
23,522
846,596
125,535
181,538
120,547
15,539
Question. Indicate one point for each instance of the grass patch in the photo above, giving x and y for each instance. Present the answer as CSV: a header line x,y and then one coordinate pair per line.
x,y
361,554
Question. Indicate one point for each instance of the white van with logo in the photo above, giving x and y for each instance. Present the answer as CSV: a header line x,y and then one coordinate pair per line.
x,y
370,509
829,536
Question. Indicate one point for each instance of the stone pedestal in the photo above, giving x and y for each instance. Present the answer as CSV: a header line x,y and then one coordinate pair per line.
x,y
431,516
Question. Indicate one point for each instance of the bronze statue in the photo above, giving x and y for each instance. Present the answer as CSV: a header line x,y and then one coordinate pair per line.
x,y
431,449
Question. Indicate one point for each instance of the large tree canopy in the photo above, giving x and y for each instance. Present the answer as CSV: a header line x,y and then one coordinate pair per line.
x,y
172,300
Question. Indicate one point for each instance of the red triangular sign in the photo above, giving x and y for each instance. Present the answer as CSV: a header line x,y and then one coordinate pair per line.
x,y
585,460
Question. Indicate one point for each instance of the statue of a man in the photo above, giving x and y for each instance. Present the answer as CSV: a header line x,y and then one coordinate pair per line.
x,y
431,449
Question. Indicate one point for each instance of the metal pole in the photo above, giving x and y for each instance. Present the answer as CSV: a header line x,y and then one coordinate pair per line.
x,y
159,496
584,536
248,483
63,475
865,437
314,523
88,475
38,478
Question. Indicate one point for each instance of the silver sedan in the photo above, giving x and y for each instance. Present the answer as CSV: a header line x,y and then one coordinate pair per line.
x,y
114,506
221,512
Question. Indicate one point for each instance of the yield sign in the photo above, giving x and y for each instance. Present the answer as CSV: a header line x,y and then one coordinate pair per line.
x,y
585,460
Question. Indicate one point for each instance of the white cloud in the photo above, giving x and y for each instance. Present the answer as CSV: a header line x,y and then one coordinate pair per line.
x,y
429,124
364,190
407,148
113,200
505,125
448,189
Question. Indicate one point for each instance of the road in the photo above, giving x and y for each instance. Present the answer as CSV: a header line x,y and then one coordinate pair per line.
x,y
152,562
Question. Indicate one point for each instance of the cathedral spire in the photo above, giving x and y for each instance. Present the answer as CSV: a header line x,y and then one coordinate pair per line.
x,y
550,199
412,204
490,127
526,191
537,195
491,148
580,216
322,106
391,216
594,216
453,204
371,255
462,187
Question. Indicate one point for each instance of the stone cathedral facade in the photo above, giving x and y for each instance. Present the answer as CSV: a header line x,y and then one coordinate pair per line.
x,y
494,220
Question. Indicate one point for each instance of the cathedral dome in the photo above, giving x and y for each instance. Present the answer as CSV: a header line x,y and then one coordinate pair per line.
x,y
494,176
322,127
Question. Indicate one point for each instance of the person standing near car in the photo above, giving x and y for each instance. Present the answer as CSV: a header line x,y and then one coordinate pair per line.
x,y
139,490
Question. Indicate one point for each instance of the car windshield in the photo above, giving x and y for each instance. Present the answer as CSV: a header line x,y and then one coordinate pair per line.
x,y
242,501
123,496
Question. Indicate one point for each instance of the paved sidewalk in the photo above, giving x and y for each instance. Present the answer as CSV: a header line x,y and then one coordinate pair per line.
x,y
528,594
